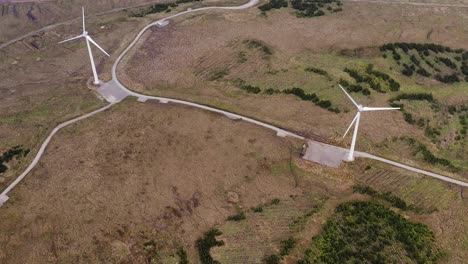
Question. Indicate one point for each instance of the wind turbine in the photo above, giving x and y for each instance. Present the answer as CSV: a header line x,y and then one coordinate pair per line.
x,y
88,40
356,120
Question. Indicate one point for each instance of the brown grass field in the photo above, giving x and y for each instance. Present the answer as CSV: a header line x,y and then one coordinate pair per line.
x,y
199,58
109,185
141,172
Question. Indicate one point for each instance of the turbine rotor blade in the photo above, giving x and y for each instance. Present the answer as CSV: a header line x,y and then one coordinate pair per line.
x,y
95,44
350,125
70,39
84,27
379,108
349,96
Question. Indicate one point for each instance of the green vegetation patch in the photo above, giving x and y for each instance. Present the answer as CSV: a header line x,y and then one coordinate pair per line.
x,y
374,79
427,155
273,4
205,243
182,254
367,232
238,217
315,8
156,8
387,196
299,92
439,62
7,156
260,45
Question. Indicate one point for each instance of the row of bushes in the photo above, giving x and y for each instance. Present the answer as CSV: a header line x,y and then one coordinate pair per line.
x,y
156,8
373,82
428,156
424,51
308,8
7,156
387,196
414,96
422,48
257,44
299,92
354,88
273,4
316,70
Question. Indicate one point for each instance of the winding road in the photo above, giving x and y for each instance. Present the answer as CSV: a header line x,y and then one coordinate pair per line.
x,y
114,92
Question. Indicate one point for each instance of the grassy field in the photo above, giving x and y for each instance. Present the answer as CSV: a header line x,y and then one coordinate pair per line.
x,y
145,184
210,58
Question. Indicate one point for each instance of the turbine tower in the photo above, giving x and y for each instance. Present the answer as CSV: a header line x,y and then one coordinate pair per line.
x,y
88,40
360,109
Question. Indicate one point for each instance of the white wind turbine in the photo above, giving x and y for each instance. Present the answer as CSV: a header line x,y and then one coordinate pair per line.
x,y
356,120
88,39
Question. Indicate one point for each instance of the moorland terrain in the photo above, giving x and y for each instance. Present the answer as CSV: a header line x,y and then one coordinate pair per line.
x,y
156,183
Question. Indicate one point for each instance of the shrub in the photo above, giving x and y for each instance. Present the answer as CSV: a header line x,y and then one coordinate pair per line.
x,y
316,70
257,209
238,217
205,243
272,259
251,89
273,4
182,254
387,196
286,246
275,201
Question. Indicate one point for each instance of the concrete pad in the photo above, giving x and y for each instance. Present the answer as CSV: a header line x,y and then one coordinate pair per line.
x,y
162,23
112,92
142,99
324,154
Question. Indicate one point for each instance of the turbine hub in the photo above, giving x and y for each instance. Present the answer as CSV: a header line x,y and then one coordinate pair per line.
x,y
360,108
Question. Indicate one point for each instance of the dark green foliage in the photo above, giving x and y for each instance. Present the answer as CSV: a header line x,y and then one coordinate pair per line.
x,y
272,259
156,8
299,92
424,51
257,209
448,62
256,44
275,201
238,217
182,254
251,89
273,4
354,88
287,245
360,232
431,158
205,243
218,74
15,152
271,91
308,8
423,72
387,196
369,77
187,1
316,70
452,78
414,96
